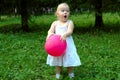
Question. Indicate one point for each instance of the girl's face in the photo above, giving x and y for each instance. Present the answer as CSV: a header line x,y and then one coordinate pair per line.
x,y
63,13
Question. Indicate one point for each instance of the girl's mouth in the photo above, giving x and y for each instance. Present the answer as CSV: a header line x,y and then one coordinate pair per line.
x,y
65,16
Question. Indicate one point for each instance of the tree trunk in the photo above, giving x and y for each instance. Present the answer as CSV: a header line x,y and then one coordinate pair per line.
x,y
98,14
24,15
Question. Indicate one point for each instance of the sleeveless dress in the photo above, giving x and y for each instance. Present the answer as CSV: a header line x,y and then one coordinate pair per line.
x,y
70,58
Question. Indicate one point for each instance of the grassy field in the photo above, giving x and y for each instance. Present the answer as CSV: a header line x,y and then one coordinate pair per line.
x,y
22,55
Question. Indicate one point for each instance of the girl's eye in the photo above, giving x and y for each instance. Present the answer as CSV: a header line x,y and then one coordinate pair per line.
x,y
62,10
67,11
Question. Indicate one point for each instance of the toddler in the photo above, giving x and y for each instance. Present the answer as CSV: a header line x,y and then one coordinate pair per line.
x,y
64,27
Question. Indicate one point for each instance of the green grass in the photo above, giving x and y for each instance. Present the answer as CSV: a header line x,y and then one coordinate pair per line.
x,y
100,56
22,55
9,20
111,19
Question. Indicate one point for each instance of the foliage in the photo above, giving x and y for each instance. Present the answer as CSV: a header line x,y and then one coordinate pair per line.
x,y
36,6
45,7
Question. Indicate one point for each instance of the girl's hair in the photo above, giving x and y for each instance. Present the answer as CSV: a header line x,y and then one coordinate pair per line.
x,y
62,4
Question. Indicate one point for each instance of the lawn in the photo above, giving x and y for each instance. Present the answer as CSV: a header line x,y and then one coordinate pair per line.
x,y
22,55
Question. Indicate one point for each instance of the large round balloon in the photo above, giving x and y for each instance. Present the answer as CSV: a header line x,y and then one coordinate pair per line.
x,y
54,46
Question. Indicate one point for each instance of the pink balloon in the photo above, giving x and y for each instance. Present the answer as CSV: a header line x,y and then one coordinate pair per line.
x,y
54,46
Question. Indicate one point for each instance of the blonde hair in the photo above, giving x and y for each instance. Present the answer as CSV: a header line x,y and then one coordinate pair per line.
x,y
60,5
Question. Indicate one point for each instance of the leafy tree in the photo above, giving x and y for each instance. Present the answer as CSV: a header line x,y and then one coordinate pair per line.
x,y
27,7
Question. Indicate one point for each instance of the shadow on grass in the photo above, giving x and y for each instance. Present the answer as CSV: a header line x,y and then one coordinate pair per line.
x,y
110,29
17,28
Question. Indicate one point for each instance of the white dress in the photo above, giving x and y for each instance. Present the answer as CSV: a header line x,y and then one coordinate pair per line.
x,y
70,58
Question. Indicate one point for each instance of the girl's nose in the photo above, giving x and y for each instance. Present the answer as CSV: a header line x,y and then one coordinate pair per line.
x,y
65,12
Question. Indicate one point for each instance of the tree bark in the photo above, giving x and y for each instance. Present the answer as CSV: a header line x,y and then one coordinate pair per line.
x,y
98,14
24,15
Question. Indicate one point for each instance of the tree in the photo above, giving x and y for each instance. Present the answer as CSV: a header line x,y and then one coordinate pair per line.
x,y
27,7
97,4
98,14
24,14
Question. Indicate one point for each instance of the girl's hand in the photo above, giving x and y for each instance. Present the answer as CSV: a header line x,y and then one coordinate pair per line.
x,y
63,37
48,36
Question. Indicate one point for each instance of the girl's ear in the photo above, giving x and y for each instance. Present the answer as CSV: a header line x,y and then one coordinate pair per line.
x,y
56,13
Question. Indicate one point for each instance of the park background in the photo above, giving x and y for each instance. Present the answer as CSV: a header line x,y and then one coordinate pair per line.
x,y
23,29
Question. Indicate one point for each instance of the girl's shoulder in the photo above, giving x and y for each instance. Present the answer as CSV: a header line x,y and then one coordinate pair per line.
x,y
54,23
70,21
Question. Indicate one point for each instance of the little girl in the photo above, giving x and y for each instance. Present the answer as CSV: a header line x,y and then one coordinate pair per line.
x,y
64,27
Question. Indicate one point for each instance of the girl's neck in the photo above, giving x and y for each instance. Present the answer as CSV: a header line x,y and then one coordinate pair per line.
x,y
62,22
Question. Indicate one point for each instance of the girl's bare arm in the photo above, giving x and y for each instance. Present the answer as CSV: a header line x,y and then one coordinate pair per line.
x,y
69,31
51,30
